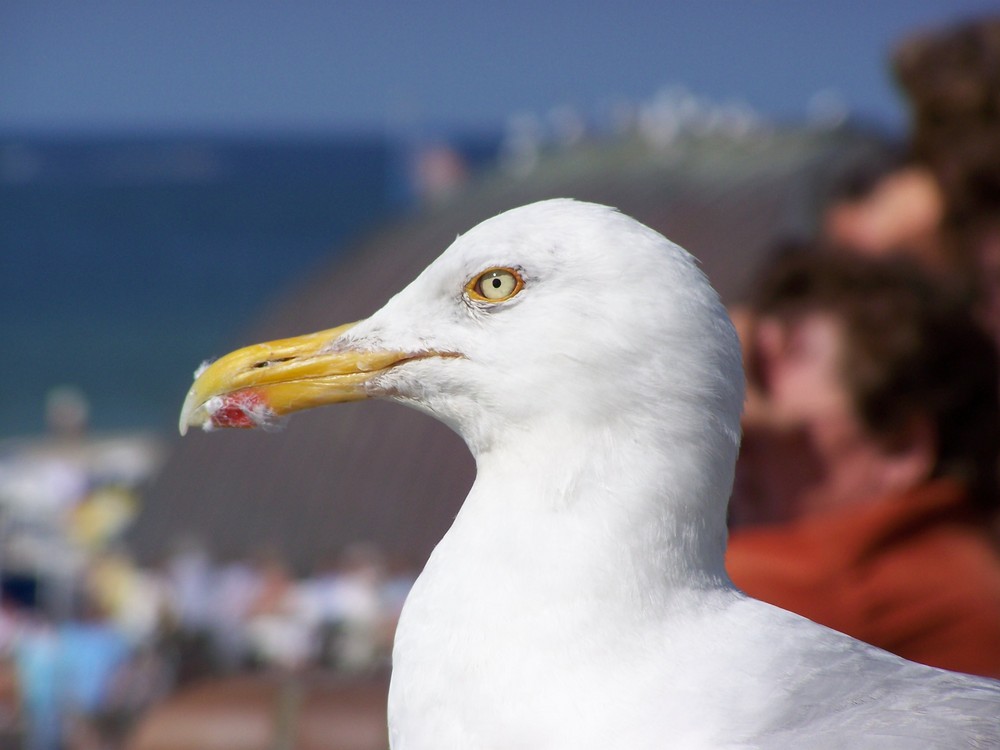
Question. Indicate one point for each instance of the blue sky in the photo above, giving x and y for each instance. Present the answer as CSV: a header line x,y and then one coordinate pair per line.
x,y
348,65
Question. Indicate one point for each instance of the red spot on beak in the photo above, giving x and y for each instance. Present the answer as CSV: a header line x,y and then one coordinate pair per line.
x,y
242,409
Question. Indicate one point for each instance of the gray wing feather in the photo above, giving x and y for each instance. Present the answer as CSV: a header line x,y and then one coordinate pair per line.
x,y
846,694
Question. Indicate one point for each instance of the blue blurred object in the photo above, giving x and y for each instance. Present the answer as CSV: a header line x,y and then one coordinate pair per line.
x,y
66,671
89,655
37,656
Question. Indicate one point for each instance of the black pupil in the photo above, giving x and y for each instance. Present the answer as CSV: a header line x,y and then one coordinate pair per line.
x,y
496,283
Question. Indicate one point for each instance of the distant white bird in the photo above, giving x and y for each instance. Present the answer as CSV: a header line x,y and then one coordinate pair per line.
x,y
580,598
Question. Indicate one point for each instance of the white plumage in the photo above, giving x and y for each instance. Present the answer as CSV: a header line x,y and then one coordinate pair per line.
x,y
580,598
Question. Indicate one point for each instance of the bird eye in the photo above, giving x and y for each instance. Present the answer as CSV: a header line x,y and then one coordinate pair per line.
x,y
495,285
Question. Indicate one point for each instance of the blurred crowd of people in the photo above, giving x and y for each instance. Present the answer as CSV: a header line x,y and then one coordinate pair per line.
x,y
867,487
134,634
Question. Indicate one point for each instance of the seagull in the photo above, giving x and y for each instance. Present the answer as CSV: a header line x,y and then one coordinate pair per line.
x,y
580,598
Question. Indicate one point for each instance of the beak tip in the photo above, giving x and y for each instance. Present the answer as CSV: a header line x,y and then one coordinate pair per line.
x,y
187,412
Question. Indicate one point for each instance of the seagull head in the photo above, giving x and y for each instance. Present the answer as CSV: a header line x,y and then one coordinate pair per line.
x,y
558,317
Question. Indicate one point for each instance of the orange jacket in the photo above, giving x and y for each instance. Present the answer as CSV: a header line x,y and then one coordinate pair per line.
x,y
917,575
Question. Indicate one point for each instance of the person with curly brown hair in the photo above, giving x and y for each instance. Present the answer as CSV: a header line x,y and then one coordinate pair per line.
x,y
868,477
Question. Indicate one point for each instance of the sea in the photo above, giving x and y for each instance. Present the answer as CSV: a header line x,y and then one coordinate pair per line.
x,y
126,260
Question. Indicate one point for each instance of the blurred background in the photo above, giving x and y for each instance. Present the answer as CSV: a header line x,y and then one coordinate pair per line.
x,y
177,179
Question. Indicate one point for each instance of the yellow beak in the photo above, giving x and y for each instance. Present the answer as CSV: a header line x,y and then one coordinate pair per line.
x,y
256,384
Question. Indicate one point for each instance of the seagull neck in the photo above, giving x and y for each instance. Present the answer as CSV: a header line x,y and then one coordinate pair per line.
x,y
618,506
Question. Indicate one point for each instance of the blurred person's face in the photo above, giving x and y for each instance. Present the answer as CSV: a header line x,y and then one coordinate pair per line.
x,y
806,449
797,366
903,212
